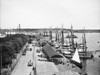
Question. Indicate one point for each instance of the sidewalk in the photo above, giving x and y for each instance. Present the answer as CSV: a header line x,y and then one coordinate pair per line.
x,y
14,62
18,57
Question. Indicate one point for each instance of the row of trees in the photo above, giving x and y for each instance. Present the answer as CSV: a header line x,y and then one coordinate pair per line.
x,y
10,46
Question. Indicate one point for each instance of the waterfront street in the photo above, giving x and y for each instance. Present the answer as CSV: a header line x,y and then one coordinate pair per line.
x,y
41,66
22,67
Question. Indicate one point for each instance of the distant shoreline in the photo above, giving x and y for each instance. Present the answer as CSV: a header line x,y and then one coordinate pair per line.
x,y
53,29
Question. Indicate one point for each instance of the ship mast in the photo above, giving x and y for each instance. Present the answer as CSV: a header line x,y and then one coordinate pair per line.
x,y
50,33
84,42
84,50
62,33
72,40
56,35
19,27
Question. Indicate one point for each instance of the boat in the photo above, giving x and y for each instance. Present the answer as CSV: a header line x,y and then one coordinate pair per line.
x,y
84,54
76,59
82,49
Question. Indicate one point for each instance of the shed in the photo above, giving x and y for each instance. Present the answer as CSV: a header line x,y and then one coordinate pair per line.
x,y
51,53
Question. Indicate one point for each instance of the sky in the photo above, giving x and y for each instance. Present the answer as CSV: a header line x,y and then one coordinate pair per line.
x,y
50,13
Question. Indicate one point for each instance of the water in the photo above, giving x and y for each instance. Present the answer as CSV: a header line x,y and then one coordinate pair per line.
x,y
92,40
93,44
93,66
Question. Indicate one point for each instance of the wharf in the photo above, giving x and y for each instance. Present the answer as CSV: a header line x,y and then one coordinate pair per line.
x,y
45,67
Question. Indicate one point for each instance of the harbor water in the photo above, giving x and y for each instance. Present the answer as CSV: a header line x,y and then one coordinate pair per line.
x,y
93,44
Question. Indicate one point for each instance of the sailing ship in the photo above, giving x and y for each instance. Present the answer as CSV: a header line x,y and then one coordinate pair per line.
x,y
76,59
83,53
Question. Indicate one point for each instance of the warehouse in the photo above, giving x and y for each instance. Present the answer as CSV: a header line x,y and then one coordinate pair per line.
x,y
50,52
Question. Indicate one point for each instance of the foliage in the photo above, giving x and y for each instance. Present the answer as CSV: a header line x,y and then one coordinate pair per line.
x,y
10,46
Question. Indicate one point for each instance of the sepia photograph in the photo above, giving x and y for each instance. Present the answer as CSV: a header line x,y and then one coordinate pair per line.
x,y
50,37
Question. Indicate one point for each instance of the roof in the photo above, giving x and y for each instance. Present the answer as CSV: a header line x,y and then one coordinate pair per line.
x,y
51,53
39,36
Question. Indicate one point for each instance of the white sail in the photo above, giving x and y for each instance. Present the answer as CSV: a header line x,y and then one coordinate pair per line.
x,y
76,57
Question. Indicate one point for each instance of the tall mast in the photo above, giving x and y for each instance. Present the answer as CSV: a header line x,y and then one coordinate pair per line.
x,y
85,50
69,40
72,40
19,27
10,30
44,34
50,33
62,36
57,34
84,42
